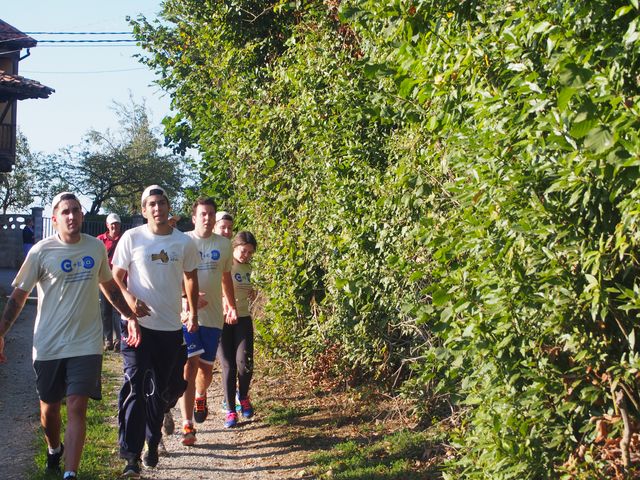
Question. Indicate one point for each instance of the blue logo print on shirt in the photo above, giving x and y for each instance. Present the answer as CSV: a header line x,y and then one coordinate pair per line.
x,y
215,254
68,265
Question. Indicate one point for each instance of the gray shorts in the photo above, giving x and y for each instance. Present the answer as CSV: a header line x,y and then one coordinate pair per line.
x,y
56,379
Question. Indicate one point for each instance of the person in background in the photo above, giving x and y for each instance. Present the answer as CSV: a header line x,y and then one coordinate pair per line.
x,y
173,220
214,279
110,323
224,224
236,342
28,236
156,258
68,268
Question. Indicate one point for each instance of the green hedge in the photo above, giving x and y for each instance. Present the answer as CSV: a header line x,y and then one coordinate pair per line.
x,y
445,195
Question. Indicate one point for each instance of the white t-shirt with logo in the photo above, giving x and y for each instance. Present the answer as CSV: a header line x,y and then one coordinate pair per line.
x,y
215,258
68,322
241,274
155,265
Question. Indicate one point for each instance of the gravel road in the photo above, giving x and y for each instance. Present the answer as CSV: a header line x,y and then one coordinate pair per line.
x,y
19,411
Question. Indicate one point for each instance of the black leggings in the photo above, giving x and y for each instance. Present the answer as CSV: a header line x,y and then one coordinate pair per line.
x,y
236,359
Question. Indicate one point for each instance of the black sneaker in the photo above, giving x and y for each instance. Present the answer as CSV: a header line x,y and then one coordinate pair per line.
x,y
150,458
132,470
200,410
53,460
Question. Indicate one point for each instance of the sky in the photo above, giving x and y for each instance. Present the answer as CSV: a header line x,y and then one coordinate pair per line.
x,y
86,79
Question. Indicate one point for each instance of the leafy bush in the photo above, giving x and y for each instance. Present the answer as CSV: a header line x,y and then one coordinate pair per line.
x,y
446,199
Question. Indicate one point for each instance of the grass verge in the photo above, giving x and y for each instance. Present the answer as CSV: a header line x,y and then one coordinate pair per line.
x,y
100,454
348,433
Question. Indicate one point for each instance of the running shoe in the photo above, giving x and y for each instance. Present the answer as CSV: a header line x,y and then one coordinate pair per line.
x,y
53,460
224,405
150,458
168,425
132,470
70,476
231,419
188,435
200,410
246,408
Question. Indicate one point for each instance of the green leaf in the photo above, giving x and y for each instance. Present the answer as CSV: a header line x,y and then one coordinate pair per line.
x,y
440,297
622,11
599,139
564,97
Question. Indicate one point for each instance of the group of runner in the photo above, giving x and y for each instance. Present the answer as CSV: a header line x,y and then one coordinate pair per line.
x,y
179,296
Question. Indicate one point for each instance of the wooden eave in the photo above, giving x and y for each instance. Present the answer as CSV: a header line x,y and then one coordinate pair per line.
x,y
16,87
11,38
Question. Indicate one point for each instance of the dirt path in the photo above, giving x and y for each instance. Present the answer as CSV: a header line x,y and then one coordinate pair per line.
x,y
19,417
253,450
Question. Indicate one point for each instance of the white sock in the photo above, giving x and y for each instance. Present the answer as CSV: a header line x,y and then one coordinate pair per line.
x,y
54,450
200,395
187,422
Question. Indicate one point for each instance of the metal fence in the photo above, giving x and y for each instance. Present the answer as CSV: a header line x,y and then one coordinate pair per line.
x,y
91,227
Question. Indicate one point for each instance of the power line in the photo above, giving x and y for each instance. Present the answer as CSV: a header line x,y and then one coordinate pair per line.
x,y
78,33
86,72
87,41
108,45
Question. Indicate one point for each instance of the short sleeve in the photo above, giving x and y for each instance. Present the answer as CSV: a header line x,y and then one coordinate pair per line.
x,y
122,255
29,272
191,255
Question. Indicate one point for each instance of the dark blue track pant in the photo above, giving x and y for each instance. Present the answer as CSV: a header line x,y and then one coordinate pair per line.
x,y
147,369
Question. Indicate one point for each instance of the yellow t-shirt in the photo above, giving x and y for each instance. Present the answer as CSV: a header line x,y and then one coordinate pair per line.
x,y
215,258
241,274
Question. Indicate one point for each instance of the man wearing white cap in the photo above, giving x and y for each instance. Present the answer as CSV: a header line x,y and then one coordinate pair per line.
x,y
68,268
156,258
110,325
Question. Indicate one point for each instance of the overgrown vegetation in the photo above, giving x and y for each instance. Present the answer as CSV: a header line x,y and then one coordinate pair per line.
x,y
445,195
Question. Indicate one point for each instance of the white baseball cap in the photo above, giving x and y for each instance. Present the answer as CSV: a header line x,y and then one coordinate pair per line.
x,y
113,218
153,190
222,215
58,198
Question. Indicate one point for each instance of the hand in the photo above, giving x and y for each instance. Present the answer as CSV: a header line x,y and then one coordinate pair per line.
x,y
231,316
3,358
192,323
133,329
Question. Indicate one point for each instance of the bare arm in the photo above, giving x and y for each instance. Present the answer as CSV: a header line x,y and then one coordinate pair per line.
x,y
139,308
191,290
12,309
231,316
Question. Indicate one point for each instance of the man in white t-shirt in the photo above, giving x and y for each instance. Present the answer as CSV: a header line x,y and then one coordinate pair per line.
x,y
68,268
149,264
214,279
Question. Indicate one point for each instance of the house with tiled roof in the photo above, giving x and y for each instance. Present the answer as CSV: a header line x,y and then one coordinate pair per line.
x,y
14,87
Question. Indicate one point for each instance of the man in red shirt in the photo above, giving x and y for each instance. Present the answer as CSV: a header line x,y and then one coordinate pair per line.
x,y
110,323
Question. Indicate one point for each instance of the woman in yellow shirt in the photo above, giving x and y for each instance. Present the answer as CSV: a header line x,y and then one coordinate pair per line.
x,y
236,342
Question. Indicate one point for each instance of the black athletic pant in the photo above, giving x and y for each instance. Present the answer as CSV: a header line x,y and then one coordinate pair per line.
x,y
236,359
147,369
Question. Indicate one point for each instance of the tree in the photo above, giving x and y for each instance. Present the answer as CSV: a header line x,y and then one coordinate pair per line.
x,y
18,187
113,168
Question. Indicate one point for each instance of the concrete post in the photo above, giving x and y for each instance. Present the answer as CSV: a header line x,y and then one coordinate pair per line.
x,y
36,213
